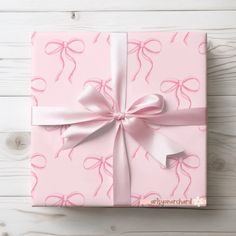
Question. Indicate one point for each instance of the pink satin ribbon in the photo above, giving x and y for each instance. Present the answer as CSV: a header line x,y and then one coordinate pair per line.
x,y
103,165
145,199
180,88
103,86
150,46
65,49
73,199
96,114
182,165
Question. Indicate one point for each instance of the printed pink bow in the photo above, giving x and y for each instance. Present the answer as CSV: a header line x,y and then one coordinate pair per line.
x,y
181,88
182,165
146,199
73,199
38,162
38,85
65,49
143,49
100,163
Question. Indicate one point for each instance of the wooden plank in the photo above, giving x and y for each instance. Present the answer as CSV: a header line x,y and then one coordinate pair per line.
x,y
122,5
116,221
18,117
25,22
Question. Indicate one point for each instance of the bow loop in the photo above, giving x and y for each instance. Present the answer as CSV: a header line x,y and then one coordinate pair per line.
x,y
191,161
54,47
191,84
94,101
92,162
147,106
152,46
134,46
168,86
76,46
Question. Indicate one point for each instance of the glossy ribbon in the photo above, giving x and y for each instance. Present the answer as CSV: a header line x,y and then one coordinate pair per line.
x,y
96,114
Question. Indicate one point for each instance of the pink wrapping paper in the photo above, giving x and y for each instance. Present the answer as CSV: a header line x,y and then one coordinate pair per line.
x,y
168,63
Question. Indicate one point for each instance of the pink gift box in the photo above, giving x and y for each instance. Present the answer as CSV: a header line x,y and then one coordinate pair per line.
x,y
171,64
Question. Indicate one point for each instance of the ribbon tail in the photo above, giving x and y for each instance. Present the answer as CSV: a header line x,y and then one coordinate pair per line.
x,y
78,133
155,143
121,170
53,116
184,117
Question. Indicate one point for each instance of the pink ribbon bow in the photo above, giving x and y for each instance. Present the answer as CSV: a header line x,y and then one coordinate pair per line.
x,y
140,200
182,165
181,88
95,114
73,199
150,46
102,164
65,49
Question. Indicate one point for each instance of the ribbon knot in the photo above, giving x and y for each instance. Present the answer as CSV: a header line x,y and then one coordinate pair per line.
x,y
119,116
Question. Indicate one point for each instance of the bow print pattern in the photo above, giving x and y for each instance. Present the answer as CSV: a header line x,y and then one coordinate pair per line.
x,y
61,130
65,50
98,36
146,155
181,88
32,37
136,152
34,178
145,199
103,165
102,86
185,39
38,161
182,165
202,48
38,85
150,46
73,199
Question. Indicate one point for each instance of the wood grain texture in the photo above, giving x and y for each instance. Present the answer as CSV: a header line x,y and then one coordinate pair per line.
x,y
113,5
17,21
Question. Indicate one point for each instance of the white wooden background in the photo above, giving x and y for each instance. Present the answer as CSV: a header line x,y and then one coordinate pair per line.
x,y
18,18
